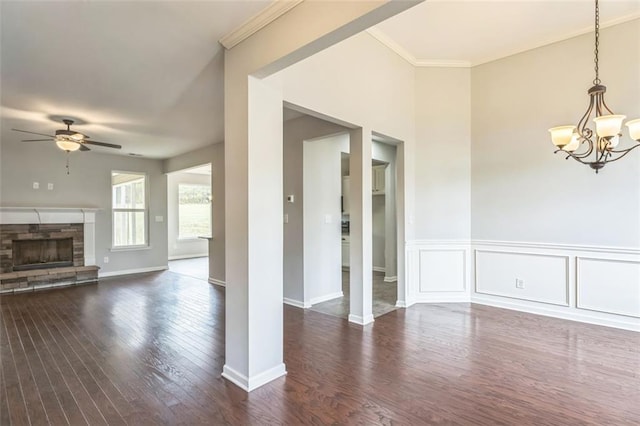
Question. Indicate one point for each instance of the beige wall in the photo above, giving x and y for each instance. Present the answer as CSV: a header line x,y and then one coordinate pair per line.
x,y
87,185
521,191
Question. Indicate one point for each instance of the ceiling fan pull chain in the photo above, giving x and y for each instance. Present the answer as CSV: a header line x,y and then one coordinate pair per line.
x,y
67,162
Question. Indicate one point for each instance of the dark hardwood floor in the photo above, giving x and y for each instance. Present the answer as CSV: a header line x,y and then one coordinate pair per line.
x,y
149,349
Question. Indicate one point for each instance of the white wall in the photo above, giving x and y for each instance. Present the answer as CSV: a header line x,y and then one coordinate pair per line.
x,y
572,236
89,185
183,248
322,216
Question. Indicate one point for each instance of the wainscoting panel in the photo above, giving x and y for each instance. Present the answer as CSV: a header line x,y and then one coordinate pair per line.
x,y
536,277
438,272
607,285
436,267
592,284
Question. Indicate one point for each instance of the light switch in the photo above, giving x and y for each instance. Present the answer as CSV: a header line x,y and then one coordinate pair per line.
x,y
327,218
50,186
290,198
159,219
36,185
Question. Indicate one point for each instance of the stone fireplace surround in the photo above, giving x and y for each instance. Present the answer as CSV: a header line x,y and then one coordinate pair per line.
x,y
42,223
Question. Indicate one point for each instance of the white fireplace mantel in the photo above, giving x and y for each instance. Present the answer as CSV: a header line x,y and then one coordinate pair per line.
x,y
42,215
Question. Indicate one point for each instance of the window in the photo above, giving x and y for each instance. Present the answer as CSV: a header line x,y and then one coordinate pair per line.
x,y
129,209
194,210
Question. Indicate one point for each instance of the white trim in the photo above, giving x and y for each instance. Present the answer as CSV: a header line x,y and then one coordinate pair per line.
x,y
130,248
251,383
254,24
446,63
132,271
296,303
325,298
357,319
39,215
379,269
559,312
404,53
551,40
214,281
188,256
553,246
390,279
401,304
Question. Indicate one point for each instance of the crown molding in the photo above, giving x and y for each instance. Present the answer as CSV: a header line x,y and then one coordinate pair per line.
x,y
254,24
525,48
404,54
444,63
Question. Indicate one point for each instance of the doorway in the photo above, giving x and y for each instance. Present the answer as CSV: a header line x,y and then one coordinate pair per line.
x,y
189,221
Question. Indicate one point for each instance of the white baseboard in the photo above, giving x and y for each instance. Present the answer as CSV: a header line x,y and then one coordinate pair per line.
x,y
132,271
356,319
390,279
443,297
296,303
251,383
379,269
560,312
401,304
325,298
188,256
217,282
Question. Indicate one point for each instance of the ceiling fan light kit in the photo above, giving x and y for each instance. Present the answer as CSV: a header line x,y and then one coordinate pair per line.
x,y
68,140
603,142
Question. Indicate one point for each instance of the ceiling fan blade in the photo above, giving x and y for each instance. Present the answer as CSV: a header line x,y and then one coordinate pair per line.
x,y
33,133
84,148
108,145
36,140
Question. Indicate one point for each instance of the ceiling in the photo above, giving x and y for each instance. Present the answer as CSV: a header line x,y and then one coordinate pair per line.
x,y
145,75
149,75
471,32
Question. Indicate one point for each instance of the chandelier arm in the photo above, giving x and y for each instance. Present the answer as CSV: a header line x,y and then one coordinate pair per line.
x,y
625,151
587,152
604,104
623,154
582,124
578,159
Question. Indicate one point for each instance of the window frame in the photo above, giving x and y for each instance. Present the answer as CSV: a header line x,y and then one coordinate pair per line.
x,y
197,237
144,210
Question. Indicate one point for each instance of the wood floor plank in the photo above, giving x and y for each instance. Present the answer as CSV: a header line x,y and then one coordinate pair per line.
x,y
149,349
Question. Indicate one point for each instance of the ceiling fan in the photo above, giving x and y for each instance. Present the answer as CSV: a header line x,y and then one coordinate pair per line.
x,y
69,140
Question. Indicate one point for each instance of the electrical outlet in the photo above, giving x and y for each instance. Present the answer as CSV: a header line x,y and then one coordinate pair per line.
x,y
106,259
36,185
286,218
519,283
50,186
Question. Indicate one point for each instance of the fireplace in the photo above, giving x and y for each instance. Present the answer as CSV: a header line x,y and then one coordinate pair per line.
x,y
42,254
46,247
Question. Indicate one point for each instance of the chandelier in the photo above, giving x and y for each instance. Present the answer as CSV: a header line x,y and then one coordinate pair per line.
x,y
600,147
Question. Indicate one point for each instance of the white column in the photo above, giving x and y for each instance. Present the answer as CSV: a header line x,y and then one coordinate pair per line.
x,y
254,236
360,228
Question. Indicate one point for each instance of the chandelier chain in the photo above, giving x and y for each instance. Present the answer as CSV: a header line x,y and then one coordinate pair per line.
x,y
597,81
